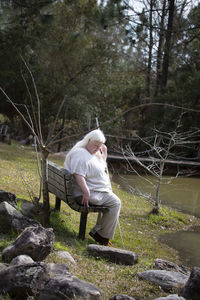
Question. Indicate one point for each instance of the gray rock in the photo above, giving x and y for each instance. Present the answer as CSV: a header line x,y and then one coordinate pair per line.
x,y
3,266
18,224
69,287
171,297
121,297
161,264
21,260
57,269
65,256
8,197
191,290
23,280
7,212
28,209
115,255
166,279
37,242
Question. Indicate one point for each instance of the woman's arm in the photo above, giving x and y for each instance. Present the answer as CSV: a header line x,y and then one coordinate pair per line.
x,y
80,180
104,151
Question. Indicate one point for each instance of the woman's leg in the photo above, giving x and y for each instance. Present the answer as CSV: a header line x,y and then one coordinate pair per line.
x,y
107,221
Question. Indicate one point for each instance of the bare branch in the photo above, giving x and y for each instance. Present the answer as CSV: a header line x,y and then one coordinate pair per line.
x,y
21,115
32,107
51,132
38,101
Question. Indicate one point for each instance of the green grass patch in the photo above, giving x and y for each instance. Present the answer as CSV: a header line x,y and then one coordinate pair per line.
x,y
139,231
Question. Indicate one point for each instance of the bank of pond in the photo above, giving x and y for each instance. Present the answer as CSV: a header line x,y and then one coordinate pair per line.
x,y
181,193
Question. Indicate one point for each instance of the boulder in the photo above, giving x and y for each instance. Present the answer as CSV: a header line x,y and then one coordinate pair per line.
x,y
7,213
191,290
65,256
3,266
121,297
69,287
28,209
115,255
45,281
8,197
11,218
21,260
57,269
19,223
37,242
171,297
160,264
23,280
166,279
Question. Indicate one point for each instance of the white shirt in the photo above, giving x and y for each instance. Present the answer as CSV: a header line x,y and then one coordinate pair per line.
x,y
92,167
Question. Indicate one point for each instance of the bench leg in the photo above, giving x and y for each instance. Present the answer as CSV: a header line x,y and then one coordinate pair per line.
x,y
57,204
82,226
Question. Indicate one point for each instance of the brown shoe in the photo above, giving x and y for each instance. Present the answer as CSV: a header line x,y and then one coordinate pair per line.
x,y
99,239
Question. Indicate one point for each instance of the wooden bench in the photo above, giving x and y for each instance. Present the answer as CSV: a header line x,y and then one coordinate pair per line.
x,y
60,184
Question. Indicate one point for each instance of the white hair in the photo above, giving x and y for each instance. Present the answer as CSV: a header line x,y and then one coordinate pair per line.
x,y
94,135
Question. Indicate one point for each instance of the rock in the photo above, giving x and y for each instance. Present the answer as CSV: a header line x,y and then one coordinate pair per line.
x,y
18,224
7,213
166,279
3,266
37,242
121,297
11,218
8,197
69,287
191,290
23,280
115,255
171,297
28,209
21,260
65,255
161,264
57,269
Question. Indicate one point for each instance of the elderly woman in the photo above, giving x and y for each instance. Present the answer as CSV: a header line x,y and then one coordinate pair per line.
x,y
87,162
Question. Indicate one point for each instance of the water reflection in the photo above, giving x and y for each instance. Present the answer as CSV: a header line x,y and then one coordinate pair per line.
x,y
187,243
180,193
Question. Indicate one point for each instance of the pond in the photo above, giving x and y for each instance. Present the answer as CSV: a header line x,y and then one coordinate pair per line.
x,y
182,193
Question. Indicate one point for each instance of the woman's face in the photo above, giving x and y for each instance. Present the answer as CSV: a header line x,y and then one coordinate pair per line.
x,y
93,146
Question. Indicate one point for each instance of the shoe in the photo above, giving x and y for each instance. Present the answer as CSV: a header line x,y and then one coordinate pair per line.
x,y
99,239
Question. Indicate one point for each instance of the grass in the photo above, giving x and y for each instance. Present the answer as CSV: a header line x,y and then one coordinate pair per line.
x,y
140,231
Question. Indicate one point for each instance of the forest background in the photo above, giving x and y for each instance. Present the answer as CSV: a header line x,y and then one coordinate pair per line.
x,y
112,59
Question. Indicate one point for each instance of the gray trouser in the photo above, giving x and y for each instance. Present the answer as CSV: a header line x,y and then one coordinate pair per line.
x,y
106,222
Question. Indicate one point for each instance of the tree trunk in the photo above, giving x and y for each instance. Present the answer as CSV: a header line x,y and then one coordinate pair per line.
x,y
45,213
150,49
167,46
160,49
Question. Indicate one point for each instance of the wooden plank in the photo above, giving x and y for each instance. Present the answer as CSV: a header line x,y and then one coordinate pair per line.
x,y
57,185
58,169
56,177
52,189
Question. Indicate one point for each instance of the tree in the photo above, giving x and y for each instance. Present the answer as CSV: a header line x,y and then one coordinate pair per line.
x,y
159,151
167,47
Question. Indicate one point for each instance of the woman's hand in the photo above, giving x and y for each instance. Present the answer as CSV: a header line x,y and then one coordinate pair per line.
x,y
84,188
104,151
86,198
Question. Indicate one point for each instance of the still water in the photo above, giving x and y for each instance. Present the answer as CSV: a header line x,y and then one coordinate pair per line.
x,y
180,193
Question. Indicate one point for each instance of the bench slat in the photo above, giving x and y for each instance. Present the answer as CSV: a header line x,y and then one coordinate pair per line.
x,y
52,189
58,170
